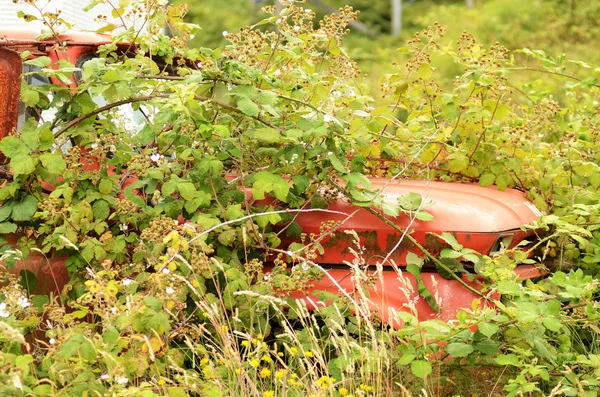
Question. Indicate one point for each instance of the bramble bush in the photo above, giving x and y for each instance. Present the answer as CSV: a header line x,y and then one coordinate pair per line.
x,y
159,163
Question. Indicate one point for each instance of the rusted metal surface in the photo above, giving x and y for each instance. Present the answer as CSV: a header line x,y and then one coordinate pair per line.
x,y
477,216
10,86
394,292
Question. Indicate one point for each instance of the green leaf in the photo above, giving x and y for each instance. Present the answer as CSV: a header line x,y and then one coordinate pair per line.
x,y
186,190
5,211
503,181
156,321
266,182
458,164
487,179
552,324
40,62
420,368
266,135
12,147
30,97
248,107
459,349
23,210
337,164
424,216
488,329
234,211
507,359
53,162
105,186
101,209
7,227
450,239
22,164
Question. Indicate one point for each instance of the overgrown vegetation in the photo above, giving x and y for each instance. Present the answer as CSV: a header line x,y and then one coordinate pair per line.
x,y
167,231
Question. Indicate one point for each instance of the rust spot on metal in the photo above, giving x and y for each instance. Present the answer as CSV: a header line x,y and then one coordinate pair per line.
x,y
10,86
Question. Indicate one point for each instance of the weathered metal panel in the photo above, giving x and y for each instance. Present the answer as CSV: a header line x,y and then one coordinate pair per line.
x,y
10,86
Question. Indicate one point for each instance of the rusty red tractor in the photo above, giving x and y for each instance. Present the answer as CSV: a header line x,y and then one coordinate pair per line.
x,y
483,219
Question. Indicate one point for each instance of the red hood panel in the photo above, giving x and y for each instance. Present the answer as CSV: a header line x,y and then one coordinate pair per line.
x,y
463,207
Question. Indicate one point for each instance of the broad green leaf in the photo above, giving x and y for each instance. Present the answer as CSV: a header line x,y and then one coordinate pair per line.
x,y
487,179
248,107
5,211
337,164
22,164
458,164
450,239
105,186
234,211
53,162
552,324
156,321
30,97
40,62
459,349
420,368
100,209
266,135
7,227
488,329
507,359
186,190
424,216
266,182
23,210
12,147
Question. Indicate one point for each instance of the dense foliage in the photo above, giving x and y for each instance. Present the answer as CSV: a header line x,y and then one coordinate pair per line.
x,y
160,207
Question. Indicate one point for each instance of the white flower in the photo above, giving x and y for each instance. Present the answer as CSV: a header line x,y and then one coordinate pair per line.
x,y
296,28
199,64
327,118
23,302
122,380
225,33
52,341
127,282
336,93
307,10
104,376
170,290
192,36
3,312
277,72
166,270
123,227
351,93
595,103
278,21
155,157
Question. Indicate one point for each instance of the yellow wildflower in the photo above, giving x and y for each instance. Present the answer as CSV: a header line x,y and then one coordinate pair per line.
x,y
266,358
309,354
269,393
365,387
204,361
279,374
343,391
245,343
255,363
265,372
